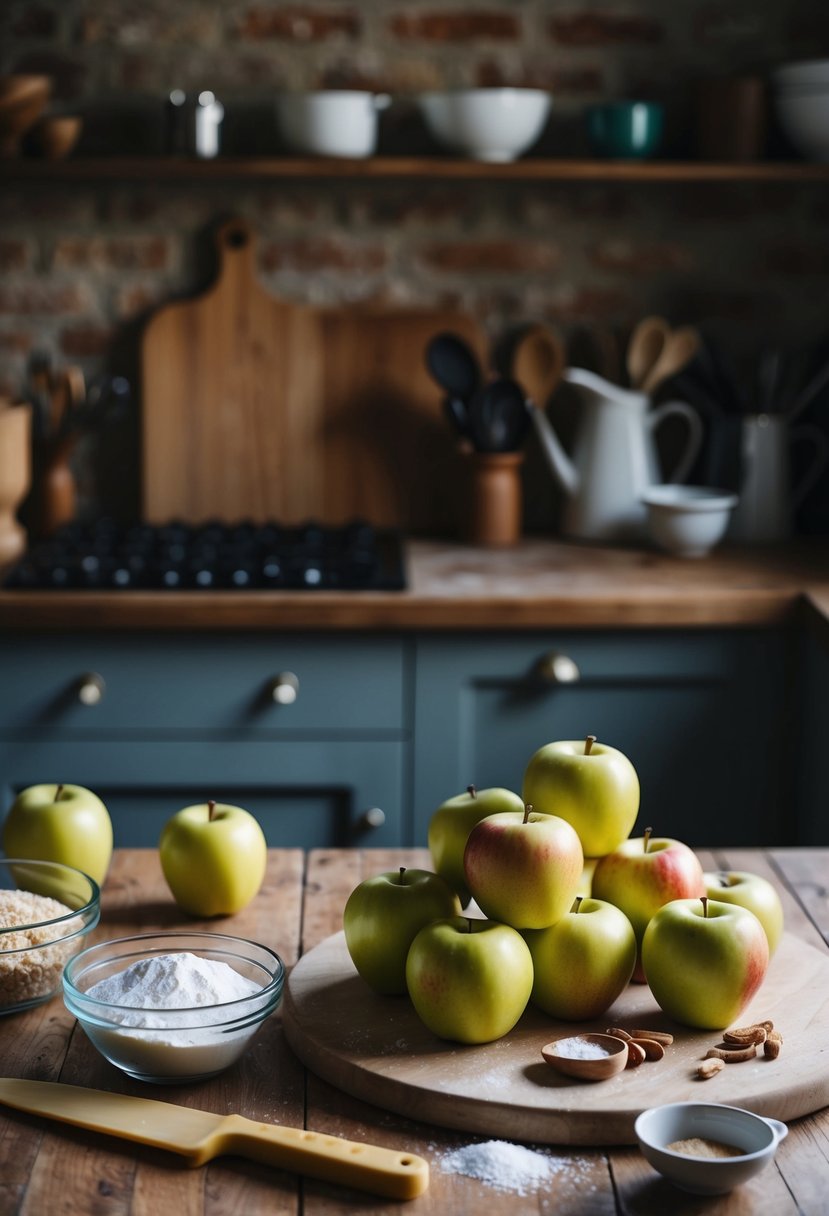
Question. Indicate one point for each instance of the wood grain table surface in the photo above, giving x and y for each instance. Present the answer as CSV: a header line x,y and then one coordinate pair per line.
x,y
47,1168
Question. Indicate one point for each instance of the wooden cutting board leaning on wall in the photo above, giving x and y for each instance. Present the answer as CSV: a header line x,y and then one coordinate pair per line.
x,y
254,407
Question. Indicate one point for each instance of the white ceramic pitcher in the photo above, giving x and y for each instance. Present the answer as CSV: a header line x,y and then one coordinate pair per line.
x,y
767,501
614,457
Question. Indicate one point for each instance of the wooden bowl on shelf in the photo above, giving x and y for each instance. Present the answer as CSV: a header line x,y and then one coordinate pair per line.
x,y
54,136
22,101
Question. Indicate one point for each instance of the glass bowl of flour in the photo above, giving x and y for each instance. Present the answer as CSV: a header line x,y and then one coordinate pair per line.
x,y
173,1007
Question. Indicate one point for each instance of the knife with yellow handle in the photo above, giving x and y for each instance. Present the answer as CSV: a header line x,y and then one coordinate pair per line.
x,y
200,1135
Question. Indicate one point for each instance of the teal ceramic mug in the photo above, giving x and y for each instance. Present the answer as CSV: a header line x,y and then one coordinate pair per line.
x,y
626,129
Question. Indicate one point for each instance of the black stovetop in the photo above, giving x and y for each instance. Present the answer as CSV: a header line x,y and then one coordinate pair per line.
x,y
106,556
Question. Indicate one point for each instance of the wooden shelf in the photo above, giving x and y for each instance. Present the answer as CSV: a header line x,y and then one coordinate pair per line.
x,y
183,169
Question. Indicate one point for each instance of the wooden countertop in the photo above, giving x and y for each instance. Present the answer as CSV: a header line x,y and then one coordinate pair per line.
x,y
46,1167
537,585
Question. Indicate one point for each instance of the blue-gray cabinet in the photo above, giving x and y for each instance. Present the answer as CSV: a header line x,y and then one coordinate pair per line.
x,y
353,738
702,715
309,734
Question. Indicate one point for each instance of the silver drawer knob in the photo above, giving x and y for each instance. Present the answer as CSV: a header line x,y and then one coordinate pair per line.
x,y
91,688
374,817
284,688
557,668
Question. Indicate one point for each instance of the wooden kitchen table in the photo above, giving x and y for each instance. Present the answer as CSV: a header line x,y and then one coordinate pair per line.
x,y
48,1168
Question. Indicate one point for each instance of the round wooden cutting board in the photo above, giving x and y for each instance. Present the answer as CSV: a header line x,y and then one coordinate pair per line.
x,y
376,1048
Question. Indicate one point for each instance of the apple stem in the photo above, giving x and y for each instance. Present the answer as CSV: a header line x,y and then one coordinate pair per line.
x,y
577,903
647,837
402,872
704,899
469,924
58,792
527,808
471,791
588,744
211,806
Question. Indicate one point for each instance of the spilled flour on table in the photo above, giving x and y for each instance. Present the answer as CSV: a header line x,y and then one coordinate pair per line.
x,y
509,1167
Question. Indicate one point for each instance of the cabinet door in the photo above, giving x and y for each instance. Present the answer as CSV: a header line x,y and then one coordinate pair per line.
x,y
700,715
305,794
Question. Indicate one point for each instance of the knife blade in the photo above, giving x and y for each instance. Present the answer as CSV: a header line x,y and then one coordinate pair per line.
x,y
199,1135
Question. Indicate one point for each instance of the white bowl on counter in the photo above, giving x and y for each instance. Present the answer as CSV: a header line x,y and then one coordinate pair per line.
x,y
753,1138
331,122
687,521
493,125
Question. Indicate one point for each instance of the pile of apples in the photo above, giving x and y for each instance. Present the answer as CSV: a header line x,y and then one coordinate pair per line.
x,y
573,909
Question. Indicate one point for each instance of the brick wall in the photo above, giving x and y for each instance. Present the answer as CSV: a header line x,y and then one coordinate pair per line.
x,y
82,265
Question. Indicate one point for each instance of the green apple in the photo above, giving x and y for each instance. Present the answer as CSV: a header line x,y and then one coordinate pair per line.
x,y
750,891
583,962
64,823
523,869
593,786
469,980
213,857
451,824
642,874
382,917
704,961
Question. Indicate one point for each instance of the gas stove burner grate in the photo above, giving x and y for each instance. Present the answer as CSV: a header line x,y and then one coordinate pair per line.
x,y
106,556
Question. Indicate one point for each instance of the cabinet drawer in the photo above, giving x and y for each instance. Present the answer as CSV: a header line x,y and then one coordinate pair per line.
x,y
213,682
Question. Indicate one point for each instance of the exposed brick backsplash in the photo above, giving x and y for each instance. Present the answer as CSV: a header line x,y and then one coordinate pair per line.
x,y
83,265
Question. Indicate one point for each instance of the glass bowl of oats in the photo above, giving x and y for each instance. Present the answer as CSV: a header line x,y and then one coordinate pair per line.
x,y
46,911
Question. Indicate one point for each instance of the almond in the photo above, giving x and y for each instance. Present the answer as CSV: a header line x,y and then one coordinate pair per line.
x,y
742,1036
636,1055
618,1033
772,1045
652,1049
732,1056
710,1068
658,1036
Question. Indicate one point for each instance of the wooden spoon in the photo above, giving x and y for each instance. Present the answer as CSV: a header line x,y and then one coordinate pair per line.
x,y
577,1064
646,345
538,362
679,349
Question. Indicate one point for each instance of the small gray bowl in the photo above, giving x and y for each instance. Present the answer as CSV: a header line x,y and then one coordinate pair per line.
x,y
757,1137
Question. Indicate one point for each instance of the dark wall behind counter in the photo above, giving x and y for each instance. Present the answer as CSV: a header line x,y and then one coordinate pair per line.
x,y
83,264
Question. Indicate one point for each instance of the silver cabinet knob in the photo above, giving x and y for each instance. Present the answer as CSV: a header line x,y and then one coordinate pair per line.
x,y
557,668
373,818
91,688
284,688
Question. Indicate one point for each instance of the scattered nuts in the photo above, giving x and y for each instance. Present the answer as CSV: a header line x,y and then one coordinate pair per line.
x,y
652,1048
658,1036
733,1055
772,1045
636,1055
743,1035
709,1068
618,1033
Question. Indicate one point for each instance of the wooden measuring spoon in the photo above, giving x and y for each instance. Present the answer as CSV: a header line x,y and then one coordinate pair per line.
x,y
574,1056
646,345
681,345
538,362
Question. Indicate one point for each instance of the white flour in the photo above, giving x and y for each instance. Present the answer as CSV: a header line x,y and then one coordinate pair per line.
x,y
172,981
167,1043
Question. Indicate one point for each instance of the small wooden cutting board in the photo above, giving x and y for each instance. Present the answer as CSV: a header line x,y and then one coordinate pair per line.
x,y
376,1048
259,408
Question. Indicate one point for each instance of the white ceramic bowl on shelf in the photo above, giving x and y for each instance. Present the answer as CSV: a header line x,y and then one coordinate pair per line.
x,y
803,114
331,122
687,520
493,125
